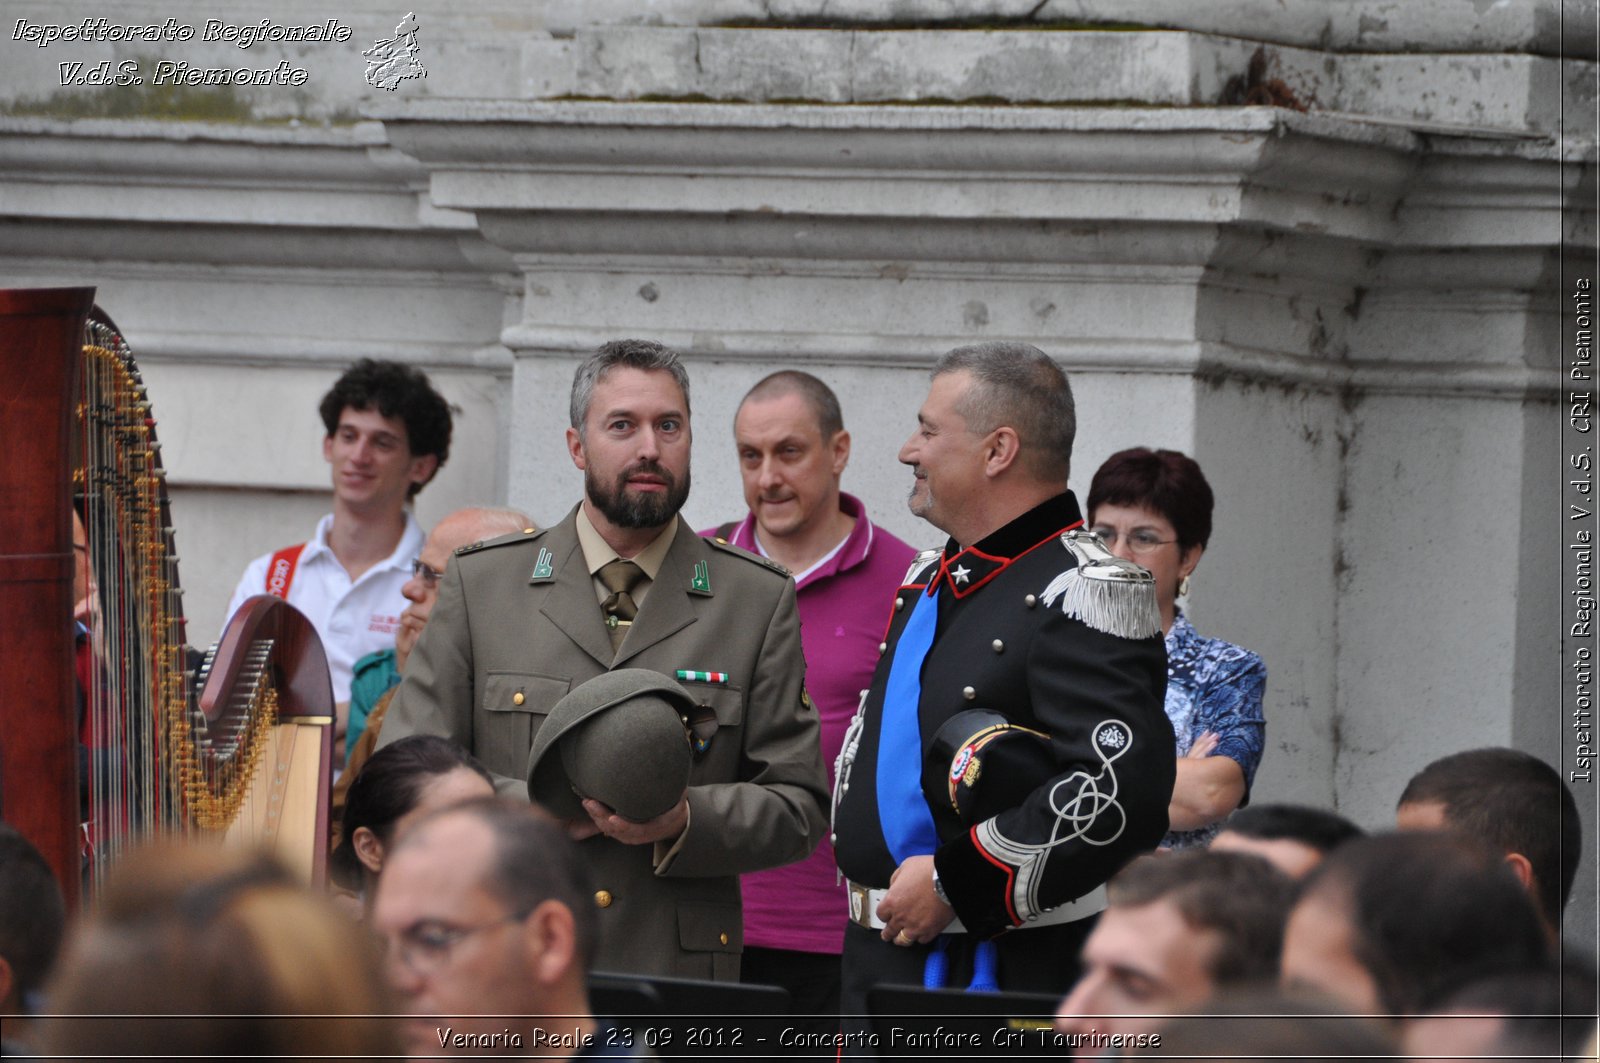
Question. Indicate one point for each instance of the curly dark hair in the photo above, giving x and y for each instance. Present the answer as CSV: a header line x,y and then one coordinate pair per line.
x,y
394,390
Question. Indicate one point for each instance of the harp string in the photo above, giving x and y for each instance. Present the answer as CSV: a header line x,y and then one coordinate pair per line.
x,y
136,684
219,759
157,763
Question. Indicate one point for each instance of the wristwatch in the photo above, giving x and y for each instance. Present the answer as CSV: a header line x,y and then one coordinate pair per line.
x,y
938,888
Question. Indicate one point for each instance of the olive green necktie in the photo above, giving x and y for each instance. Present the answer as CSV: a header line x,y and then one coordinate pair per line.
x,y
620,578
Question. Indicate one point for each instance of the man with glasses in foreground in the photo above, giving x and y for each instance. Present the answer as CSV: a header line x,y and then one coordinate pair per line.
x,y
487,916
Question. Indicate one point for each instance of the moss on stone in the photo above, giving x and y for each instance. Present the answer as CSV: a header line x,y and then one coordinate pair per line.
x,y
217,103
175,103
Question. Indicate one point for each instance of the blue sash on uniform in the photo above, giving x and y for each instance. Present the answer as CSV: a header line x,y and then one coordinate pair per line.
x,y
902,809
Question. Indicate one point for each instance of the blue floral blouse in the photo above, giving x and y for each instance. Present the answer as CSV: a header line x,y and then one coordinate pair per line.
x,y
1214,686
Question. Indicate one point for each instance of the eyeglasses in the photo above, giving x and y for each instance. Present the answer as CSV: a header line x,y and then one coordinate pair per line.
x,y
425,572
1140,540
425,947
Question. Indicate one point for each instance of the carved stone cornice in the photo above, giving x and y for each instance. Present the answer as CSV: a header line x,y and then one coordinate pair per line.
x,y
1254,242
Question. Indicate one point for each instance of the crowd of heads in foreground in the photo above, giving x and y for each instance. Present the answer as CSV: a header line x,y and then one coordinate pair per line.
x,y
1440,938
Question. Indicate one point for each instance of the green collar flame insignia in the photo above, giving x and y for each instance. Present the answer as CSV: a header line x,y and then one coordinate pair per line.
x,y
702,578
543,567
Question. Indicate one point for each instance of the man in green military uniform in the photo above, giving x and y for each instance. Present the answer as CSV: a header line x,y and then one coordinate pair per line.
x,y
623,583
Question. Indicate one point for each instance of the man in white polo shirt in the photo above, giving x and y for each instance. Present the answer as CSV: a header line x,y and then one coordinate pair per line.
x,y
388,433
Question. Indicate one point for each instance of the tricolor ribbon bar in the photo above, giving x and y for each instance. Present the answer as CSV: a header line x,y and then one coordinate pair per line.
x,y
687,676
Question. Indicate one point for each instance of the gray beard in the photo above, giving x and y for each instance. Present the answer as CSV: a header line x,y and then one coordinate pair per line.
x,y
925,506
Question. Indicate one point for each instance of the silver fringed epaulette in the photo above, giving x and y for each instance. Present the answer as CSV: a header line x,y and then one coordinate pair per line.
x,y
1104,591
919,563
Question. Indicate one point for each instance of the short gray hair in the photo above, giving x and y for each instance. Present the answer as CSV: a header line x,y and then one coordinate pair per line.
x,y
626,354
817,395
1017,385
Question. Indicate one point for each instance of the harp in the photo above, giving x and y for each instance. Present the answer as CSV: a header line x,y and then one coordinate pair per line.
x,y
102,740
262,736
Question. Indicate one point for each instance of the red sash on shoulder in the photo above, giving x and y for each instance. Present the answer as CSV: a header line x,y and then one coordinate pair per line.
x,y
280,570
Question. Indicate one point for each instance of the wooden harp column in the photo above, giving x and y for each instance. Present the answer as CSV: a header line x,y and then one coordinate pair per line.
x,y
41,334
252,757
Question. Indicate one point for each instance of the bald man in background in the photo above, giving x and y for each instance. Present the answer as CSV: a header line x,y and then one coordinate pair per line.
x,y
378,674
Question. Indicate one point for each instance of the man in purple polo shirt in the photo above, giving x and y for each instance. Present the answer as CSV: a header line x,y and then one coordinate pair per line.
x,y
792,450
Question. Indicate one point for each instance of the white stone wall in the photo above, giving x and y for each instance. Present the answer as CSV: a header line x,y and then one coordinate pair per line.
x,y
1269,579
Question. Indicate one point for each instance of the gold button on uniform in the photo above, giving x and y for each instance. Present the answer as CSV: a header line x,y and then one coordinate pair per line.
x,y
602,899
722,938
517,698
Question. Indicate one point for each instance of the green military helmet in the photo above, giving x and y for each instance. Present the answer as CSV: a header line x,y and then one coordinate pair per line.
x,y
622,739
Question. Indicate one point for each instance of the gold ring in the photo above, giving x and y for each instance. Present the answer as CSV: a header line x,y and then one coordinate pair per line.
x,y
903,938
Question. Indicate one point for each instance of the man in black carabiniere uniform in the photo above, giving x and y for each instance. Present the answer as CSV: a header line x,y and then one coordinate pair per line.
x,y
985,838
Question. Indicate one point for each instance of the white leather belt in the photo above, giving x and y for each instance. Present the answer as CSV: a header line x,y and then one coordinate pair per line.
x,y
864,903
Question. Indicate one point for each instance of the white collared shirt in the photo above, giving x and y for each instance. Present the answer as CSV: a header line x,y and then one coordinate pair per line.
x,y
353,619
